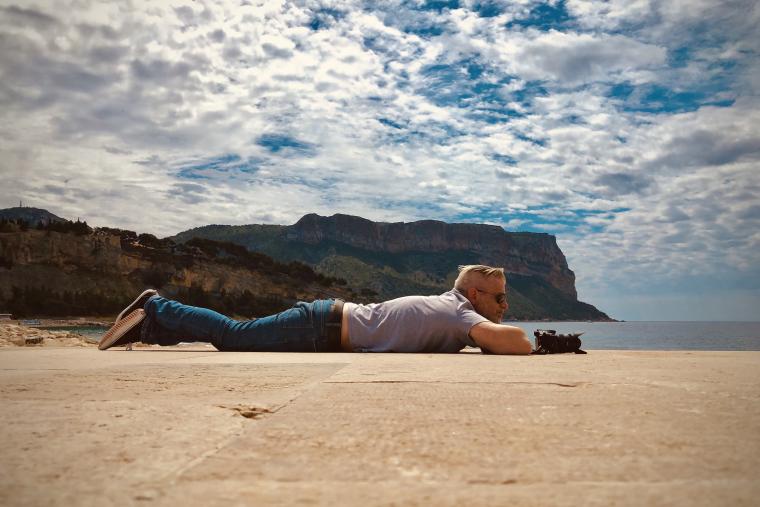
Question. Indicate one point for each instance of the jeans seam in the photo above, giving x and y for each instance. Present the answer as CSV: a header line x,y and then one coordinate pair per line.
x,y
309,316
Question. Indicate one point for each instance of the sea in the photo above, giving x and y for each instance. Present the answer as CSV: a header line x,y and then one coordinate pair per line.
x,y
615,335
656,335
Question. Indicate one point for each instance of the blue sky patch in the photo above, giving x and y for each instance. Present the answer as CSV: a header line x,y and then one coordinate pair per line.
x,y
679,57
277,143
528,139
324,17
545,17
446,85
714,89
374,44
439,5
422,20
426,31
551,218
504,159
436,132
653,98
229,164
493,115
468,84
390,123
524,96
475,70
621,91
487,9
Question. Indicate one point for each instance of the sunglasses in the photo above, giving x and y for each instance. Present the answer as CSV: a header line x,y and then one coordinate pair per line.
x,y
501,297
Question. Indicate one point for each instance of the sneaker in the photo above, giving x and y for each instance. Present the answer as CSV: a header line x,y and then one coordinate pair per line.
x,y
137,303
124,331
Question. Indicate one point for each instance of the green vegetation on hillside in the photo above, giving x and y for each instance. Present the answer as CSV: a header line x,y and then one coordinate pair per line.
x,y
35,302
181,254
532,298
237,255
165,258
378,275
42,302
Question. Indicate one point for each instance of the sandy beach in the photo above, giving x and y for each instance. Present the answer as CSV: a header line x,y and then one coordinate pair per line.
x,y
13,334
198,427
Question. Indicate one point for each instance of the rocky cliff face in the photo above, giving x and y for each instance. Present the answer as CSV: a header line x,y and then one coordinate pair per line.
x,y
100,264
388,260
532,254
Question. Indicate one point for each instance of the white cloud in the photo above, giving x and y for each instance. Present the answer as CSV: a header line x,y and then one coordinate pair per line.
x,y
601,14
573,58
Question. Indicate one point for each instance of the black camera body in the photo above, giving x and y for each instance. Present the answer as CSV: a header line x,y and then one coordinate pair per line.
x,y
549,342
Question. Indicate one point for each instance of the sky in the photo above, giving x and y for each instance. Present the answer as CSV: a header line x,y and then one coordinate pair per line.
x,y
629,129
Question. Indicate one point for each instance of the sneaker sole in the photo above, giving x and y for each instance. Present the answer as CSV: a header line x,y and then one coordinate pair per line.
x,y
132,306
121,328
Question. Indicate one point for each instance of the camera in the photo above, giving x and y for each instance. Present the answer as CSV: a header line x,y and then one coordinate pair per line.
x,y
549,342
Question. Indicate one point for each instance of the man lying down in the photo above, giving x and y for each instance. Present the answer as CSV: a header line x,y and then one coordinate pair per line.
x,y
469,314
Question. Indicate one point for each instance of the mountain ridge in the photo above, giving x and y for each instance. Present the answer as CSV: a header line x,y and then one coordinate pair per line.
x,y
365,261
393,259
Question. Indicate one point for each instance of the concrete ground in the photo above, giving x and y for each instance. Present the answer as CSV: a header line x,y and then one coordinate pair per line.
x,y
199,427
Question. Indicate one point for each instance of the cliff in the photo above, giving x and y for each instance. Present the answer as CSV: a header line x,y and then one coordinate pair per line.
x,y
387,260
101,271
532,254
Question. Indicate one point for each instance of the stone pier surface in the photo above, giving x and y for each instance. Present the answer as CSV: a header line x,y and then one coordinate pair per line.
x,y
194,426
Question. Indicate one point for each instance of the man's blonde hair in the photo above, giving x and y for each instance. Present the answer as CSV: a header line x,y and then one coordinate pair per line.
x,y
470,274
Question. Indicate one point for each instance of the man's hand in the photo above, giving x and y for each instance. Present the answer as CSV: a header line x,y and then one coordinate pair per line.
x,y
500,339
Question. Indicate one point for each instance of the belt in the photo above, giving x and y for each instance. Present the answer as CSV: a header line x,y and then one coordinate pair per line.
x,y
333,324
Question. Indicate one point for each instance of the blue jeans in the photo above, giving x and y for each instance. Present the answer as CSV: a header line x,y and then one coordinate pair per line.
x,y
298,329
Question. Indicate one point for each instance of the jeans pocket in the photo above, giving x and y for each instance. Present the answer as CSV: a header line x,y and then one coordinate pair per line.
x,y
301,316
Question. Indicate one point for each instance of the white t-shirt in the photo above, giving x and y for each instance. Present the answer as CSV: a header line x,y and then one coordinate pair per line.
x,y
413,324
